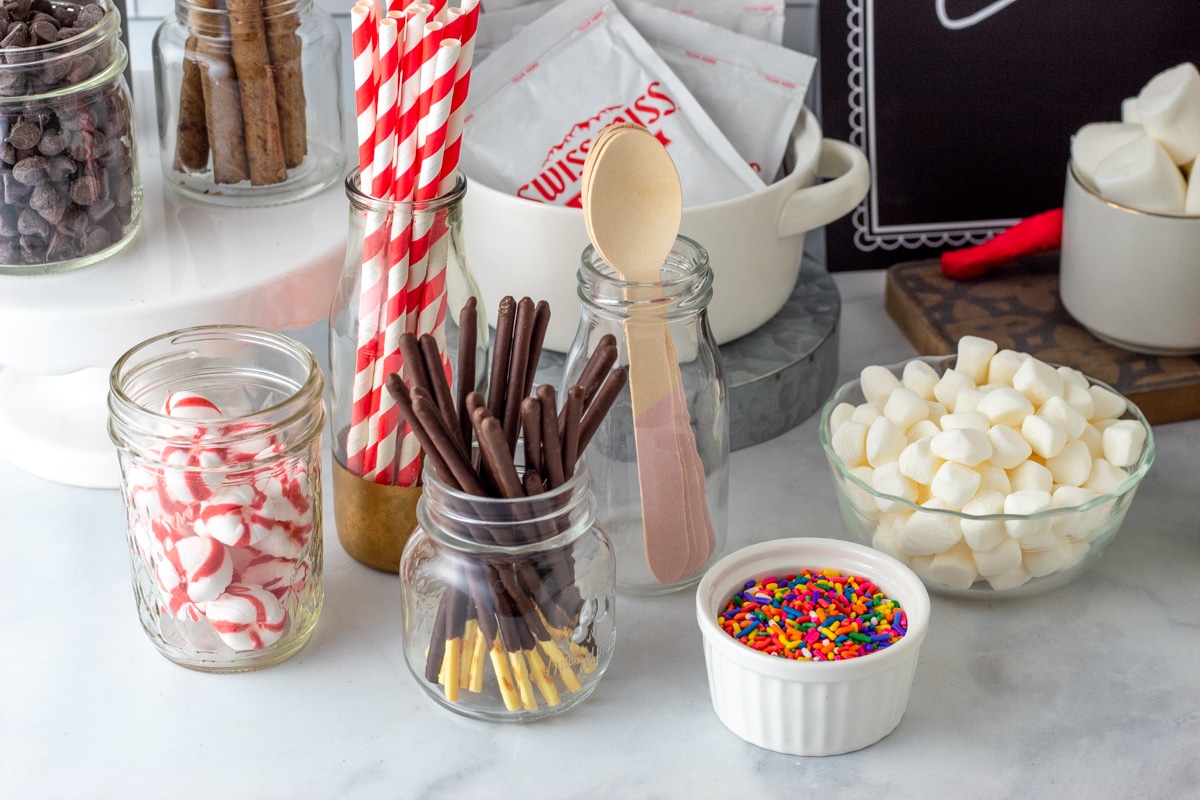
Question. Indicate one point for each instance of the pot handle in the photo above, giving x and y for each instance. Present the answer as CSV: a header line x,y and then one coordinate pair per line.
x,y
818,205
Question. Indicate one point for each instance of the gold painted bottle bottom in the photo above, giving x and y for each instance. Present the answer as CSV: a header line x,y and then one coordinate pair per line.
x,y
373,520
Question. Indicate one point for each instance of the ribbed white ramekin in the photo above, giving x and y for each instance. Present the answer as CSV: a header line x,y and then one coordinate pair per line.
x,y
803,707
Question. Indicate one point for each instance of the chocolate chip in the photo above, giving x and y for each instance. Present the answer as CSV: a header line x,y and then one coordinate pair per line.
x,y
65,15
96,240
74,223
12,84
8,222
17,36
60,168
31,223
14,190
52,143
10,251
46,201
8,154
86,190
33,249
89,16
24,135
31,170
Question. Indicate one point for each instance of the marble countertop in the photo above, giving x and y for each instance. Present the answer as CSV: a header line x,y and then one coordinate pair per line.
x,y
1092,691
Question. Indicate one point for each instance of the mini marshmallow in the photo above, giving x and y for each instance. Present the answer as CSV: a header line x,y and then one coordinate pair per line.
x,y
1168,106
917,462
993,479
1129,111
927,532
1009,448
1030,475
951,383
1141,175
1002,558
968,400
1085,525
1018,576
1092,143
1037,380
923,430
954,484
920,377
885,542
936,411
204,565
1072,466
1094,440
974,353
840,413
1005,406
964,445
905,408
884,442
888,480
1025,502
1123,442
1105,477
877,383
1063,555
866,413
1108,404
1060,412
247,617
1004,365
964,419
954,568
850,443
983,534
1080,399
1046,437
1072,377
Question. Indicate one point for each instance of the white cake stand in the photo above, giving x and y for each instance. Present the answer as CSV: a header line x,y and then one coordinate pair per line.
x,y
189,264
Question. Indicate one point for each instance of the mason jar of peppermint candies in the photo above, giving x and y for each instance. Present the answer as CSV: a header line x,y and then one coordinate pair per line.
x,y
218,433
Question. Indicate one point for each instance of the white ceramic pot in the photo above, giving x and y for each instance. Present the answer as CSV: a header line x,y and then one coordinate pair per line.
x,y
1131,278
521,248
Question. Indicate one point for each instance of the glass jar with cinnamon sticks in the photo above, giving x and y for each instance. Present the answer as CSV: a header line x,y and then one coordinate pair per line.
x,y
249,104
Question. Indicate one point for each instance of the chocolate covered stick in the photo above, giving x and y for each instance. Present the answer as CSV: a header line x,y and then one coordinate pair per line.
x,y
573,413
594,371
531,422
442,441
191,134
437,642
501,352
496,455
517,365
601,403
541,321
438,385
222,95
284,50
260,112
413,362
456,617
400,394
468,332
551,443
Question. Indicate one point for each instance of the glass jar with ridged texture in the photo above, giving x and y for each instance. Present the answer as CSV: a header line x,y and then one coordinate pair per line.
x,y
659,460
218,434
508,605
68,155
248,96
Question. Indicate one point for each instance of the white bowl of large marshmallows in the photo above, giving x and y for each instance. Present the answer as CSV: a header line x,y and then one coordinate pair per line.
x,y
990,472
1130,265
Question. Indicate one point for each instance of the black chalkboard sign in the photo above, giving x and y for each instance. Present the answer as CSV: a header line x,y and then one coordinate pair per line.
x,y
965,108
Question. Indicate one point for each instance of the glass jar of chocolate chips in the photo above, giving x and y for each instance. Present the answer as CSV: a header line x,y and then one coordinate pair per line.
x,y
68,160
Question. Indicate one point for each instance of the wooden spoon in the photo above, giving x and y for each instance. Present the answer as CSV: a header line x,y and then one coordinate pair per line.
x,y
633,204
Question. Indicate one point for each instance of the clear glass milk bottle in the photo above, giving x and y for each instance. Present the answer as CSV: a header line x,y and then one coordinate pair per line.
x,y
218,434
249,102
659,461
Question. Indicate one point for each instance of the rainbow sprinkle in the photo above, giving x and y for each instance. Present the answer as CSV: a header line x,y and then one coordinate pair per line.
x,y
814,616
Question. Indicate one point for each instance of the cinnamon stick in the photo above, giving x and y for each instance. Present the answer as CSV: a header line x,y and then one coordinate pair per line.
x,y
284,50
191,134
260,111
222,93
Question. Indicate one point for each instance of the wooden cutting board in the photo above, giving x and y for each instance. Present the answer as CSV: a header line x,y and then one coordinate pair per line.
x,y
1017,306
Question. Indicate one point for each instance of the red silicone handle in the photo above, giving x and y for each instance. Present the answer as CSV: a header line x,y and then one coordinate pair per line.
x,y
1036,234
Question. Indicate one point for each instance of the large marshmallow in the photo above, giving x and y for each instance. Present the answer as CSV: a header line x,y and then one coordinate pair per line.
x,y
1094,439
1168,107
866,413
1080,399
963,445
884,442
877,383
1002,558
1094,141
1059,411
1129,111
840,413
964,419
1046,437
954,484
850,444
1085,525
924,429
1123,441
951,383
917,462
926,533
1004,365
920,377
1024,502
905,407
861,498
1104,477
1037,380
1005,406
888,480
1030,475
967,400
983,534
1009,448
994,479
883,541
954,568
1141,175
974,353
1072,466
1108,404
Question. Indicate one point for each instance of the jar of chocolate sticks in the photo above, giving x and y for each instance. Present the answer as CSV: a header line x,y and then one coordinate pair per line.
x,y
69,168
249,100
659,460
508,602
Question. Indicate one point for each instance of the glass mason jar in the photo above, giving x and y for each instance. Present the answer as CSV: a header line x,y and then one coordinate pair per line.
x,y
508,605
218,433
69,168
249,100
660,459
376,460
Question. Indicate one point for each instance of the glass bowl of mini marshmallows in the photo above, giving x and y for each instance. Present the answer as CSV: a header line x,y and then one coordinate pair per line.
x,y
990,473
